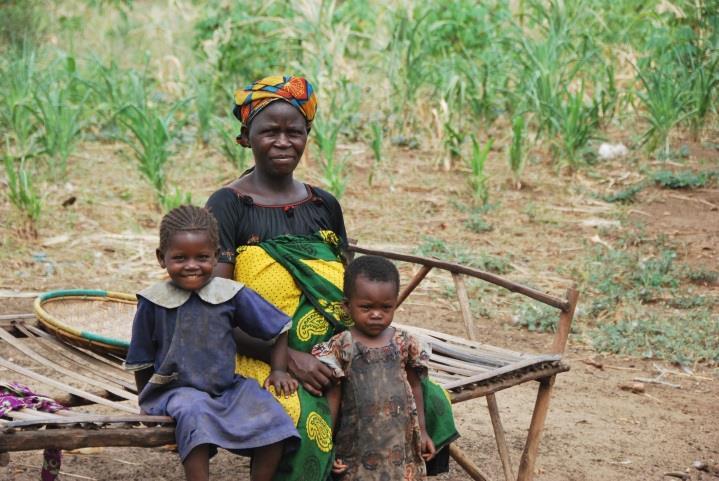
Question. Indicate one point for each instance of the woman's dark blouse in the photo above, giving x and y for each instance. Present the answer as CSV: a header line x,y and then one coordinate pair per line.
x,y
244,222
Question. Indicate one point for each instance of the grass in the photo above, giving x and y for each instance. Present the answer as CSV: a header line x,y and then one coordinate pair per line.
x,y
683,339
434,247
680,180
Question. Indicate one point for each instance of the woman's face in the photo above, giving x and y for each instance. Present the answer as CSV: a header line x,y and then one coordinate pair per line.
x,y
277,136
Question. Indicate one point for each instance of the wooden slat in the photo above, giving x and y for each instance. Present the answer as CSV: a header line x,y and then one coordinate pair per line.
x,y
84,438
64,387
89,418
515,367
464,307
419,277
77,357
481,390
22,347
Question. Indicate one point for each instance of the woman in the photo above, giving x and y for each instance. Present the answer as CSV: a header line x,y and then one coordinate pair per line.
x,y
284,238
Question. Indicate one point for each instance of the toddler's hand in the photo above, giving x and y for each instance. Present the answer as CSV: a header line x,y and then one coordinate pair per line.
x,y
283,383
428,449
338,467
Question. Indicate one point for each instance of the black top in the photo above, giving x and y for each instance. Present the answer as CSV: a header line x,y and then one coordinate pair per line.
x,y
244,222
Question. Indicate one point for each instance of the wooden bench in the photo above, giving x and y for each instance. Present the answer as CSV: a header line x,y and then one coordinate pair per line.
x,y
468,369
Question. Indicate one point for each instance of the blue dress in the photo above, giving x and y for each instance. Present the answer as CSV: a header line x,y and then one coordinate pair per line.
x,y
186,338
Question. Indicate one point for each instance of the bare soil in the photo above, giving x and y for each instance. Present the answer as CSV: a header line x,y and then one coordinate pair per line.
x,y
594,431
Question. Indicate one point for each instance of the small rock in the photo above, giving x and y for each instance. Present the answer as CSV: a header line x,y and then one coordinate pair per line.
x,y
635,387
611,151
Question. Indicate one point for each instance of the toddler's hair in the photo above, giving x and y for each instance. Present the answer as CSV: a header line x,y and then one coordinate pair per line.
x,y
188,218
373,268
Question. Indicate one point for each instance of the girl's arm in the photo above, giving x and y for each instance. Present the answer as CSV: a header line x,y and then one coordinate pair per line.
x,y
428,449
283,383
334,399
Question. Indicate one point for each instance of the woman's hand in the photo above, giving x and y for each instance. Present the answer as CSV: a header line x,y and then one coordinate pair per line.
x,y
283,383
338,467
428,449
312,374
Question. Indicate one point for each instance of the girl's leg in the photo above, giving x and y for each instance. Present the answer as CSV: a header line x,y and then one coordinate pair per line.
x,y
265,461
197,464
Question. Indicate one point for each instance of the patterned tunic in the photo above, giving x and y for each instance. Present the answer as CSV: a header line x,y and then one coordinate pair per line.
x,y
378,436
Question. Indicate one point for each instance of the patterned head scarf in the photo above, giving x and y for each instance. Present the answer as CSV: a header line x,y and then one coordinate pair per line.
x,y
296,90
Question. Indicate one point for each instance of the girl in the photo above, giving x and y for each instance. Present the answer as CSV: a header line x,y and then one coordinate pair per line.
x,y
182,352
380,433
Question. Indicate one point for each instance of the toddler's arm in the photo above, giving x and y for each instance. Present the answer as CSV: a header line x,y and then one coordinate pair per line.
x,y
334,399
428,449
283,383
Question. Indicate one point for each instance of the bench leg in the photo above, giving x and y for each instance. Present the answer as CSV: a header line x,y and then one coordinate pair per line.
x,y
469,467
529,456
499,437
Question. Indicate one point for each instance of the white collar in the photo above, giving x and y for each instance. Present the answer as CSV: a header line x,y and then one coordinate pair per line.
x,y
169,296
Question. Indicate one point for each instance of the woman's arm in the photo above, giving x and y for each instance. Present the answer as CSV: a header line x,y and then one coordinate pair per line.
x,y
224,269
428,449
313,374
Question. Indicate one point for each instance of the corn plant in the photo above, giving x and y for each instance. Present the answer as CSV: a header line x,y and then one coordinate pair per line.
x,y
376,144
576,123
203,102
61,122
151,143
21,192
516,150
703,82
664,99
227,130
333,174
478,179
18,78
169,201
113,88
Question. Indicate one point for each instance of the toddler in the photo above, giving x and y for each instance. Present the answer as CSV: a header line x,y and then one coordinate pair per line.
x,y
379,431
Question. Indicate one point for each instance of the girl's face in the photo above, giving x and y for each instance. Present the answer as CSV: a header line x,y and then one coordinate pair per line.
x,y
189,259
277,136
372,305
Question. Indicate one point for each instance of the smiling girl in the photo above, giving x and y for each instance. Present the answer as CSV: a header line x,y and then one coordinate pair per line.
x,y
182,352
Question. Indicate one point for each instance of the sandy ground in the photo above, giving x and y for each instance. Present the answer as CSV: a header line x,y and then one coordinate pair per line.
x,y
594,431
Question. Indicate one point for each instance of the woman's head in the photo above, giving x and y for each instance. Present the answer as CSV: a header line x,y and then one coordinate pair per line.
x,y
189,246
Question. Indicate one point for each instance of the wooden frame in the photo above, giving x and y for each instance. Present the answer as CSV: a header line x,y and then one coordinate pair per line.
x,y
466,368
545,376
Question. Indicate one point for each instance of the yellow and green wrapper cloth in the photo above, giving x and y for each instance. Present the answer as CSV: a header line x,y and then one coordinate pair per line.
x,y
303,276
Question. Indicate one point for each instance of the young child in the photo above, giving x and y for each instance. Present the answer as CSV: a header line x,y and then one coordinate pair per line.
x,y
183,354
380,433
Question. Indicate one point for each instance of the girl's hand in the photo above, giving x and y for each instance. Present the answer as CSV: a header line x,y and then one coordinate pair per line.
x,y
338,467
428,449
313,374
283,383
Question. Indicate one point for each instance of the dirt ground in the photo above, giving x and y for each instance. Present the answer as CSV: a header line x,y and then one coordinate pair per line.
x,y
594,431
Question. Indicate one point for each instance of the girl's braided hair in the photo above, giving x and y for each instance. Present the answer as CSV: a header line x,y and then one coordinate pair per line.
x,y
188,218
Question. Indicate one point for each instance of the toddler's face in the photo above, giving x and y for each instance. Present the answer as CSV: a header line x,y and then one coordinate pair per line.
x,y
372,305
189,259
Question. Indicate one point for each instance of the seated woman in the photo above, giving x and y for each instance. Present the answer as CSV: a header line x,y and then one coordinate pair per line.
x,y
284,239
